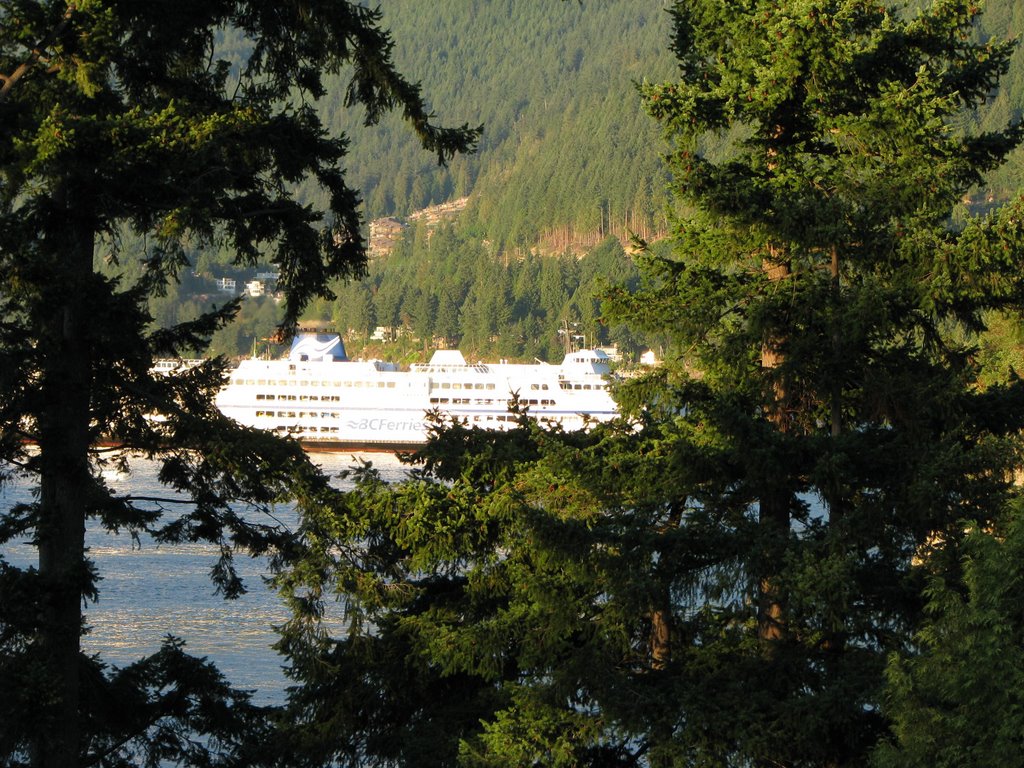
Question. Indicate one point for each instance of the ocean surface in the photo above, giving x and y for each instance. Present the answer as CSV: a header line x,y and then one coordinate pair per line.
x,y
149,591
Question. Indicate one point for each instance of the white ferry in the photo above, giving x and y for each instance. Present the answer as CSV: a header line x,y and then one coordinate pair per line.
x,y
319,396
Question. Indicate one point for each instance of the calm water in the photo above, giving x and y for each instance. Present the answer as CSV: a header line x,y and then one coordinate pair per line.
x,y
149,591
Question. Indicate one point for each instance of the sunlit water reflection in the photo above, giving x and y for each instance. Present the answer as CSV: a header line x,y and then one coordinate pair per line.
x,y
149,591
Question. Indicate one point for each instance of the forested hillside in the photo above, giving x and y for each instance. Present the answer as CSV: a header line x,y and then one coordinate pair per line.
x,y
447,290
1005,19
800,547
567,159
567,152
566,144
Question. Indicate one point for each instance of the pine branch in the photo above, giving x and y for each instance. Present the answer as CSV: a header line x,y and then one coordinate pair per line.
x,y
36,54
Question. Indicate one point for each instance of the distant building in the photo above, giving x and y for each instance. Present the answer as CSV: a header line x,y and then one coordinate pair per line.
x,y
436,213
648,358
227,285
269,279
255,288
384,235
387,333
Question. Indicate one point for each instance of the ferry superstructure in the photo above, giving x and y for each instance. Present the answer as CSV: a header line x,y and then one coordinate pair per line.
x,y
319,396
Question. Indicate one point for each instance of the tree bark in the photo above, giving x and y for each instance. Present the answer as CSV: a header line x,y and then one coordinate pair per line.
x,y
38,52
64,437
774,503
837,384
660,639
834,641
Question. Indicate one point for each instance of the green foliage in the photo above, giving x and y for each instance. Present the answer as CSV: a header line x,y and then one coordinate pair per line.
x,y
447,289
1001,349
381,549
450,571
956,701
719,579
131,136
823,313
166,709
566,142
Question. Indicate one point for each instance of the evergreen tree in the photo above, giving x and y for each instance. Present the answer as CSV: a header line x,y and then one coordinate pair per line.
x,y
448,323
829,309
391,690
719,579
388,301
424,314
957,701
121,117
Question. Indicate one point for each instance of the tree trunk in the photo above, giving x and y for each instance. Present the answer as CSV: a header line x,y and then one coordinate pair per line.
x,y
64,483
837,384
38,52
774,502
834,640
660,639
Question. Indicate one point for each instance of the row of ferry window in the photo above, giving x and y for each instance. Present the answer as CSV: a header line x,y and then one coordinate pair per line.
x,y
297,414
391,384
322,430
301,398
461,385
347,384
325,430
486,401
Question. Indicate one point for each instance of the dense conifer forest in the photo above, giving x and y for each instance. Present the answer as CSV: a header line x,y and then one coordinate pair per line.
x,y
568,159
566,142
798,546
